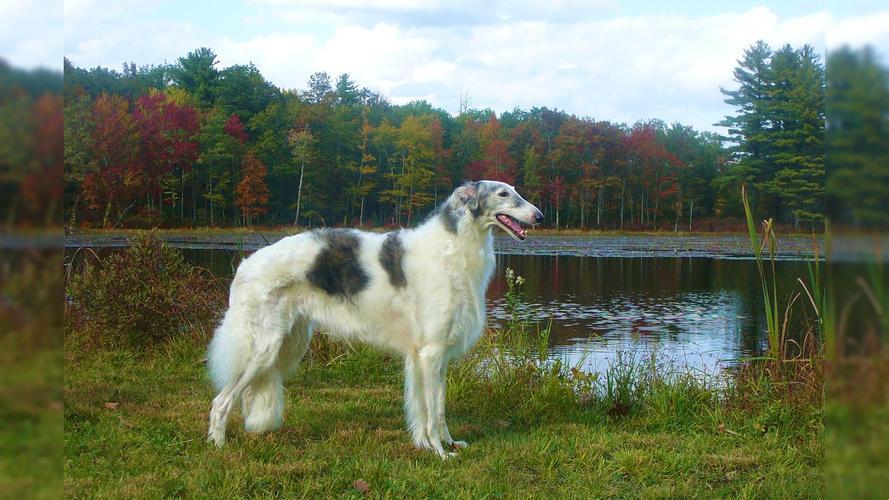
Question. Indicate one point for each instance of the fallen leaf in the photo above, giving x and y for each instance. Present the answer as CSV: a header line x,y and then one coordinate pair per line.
x,y
361,485
111,406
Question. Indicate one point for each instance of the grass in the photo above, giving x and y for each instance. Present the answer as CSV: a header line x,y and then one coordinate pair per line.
x,y
30,424
135,424
30,375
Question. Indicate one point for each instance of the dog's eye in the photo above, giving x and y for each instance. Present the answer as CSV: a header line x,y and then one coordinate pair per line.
x,y
503,194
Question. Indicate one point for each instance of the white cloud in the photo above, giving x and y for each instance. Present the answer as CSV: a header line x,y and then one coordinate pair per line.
x,y
859,31
30,34
283,58
502,54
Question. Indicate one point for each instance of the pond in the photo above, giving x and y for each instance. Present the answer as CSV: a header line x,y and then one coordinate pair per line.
x,y
692,302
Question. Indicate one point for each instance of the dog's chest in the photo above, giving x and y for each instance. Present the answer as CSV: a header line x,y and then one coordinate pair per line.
x,y
469,312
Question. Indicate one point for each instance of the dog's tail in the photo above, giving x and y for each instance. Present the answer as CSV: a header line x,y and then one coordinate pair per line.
x,y
228,353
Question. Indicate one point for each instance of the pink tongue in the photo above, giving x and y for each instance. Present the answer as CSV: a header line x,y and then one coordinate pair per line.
x,y
508,222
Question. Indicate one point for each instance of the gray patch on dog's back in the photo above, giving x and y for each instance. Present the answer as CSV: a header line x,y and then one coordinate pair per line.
x,y
336,269
391,254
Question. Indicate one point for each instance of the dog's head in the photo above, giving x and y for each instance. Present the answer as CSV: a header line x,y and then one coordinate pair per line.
x,y
490,203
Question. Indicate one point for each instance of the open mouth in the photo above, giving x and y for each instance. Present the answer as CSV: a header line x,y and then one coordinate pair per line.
x,y
512,226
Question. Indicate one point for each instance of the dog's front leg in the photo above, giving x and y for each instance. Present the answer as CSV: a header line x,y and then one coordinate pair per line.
x,y
430,360
443,424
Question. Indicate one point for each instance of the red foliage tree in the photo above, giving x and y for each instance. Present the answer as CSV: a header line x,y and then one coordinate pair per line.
x,y
42,187
252,193
235,128
168,134
497,162
441,155
114,180
656,166
557,188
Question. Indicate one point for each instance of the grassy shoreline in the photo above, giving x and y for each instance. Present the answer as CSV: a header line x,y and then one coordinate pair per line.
x,y
135,425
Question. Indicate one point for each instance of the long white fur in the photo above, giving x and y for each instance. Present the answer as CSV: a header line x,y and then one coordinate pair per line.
x,y
439,315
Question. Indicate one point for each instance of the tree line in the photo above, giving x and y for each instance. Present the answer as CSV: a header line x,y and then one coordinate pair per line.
x,y
192,144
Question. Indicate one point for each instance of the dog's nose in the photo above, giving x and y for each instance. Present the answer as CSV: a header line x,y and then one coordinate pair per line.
x,y
539,217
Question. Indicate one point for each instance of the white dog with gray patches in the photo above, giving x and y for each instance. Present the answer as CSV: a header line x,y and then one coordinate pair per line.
x,y
418,293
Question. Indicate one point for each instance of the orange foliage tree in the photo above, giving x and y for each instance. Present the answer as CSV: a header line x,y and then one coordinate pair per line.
x,y
252,193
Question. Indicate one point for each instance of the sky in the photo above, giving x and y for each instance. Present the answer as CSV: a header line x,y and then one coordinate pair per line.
x,y
603,59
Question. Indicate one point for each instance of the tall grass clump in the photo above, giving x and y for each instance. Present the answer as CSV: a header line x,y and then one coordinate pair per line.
x,y
790,378
140,296
765,253
509,375
821,297
768,282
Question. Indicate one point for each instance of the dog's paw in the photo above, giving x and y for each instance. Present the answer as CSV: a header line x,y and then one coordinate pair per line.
x,y
456,445
216,439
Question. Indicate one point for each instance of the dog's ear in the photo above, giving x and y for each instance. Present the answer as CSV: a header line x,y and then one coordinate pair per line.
x,y
467,195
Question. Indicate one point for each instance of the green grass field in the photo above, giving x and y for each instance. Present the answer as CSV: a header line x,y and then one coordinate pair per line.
x,y
135,427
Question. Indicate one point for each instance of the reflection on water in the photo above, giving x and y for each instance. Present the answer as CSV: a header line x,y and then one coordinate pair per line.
x,y
700,312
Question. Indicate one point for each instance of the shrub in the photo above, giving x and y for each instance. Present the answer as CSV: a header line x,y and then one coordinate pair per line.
x,y
142,296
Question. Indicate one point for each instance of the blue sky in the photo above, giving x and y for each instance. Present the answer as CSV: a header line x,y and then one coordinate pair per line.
x,y
605,59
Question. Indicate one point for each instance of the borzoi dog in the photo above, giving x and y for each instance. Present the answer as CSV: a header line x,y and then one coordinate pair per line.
x,y
418,293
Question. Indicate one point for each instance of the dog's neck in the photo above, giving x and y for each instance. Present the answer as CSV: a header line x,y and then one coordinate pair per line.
x,y
464,241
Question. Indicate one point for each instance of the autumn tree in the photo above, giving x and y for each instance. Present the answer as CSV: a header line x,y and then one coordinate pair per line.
x,y
496,163
235,128
218,164
252,192
114,180
366,169
413,177
168,145
532,176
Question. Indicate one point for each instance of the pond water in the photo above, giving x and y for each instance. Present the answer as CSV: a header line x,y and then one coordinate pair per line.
x,y
699,312
698,307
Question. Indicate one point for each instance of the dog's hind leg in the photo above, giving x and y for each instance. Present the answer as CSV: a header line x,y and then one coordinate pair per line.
x,y
415,401
294,346
222,403
261,358
263,400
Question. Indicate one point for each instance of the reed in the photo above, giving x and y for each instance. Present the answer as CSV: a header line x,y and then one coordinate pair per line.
x,y
765,251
